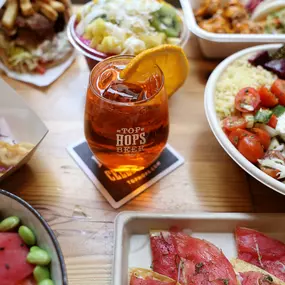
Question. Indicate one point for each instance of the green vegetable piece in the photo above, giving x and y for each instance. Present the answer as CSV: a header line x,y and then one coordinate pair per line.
x,y
34,248
9,224
46,282
278,110
41,273
263,116
27,235
38,257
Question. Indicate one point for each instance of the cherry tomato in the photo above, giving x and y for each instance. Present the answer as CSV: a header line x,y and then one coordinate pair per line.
x,y
278,89
247,100
251,148
263,136
273,121
40,69
268,99
238,134
232,123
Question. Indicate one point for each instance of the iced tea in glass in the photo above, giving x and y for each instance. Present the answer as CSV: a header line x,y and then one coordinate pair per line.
x,y
126,121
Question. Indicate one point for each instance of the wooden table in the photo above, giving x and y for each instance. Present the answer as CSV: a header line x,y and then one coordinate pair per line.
x,y
81,218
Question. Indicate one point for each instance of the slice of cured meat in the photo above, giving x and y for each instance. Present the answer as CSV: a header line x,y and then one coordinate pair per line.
x,y
256,278
253,275
165,259
192,260
140,276
260,250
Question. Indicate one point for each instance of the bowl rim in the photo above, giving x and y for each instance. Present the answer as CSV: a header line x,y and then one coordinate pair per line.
x,y
214,123
47,228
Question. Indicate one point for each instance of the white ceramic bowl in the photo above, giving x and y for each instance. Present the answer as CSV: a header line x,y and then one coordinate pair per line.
x,y
214,121
12,205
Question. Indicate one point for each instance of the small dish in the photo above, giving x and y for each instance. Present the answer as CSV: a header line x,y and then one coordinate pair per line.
x,y
12,205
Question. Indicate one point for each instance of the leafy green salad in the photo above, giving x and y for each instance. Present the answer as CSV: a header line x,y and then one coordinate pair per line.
x,y
128,26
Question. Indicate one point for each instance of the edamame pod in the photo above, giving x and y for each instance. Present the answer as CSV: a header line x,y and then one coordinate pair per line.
x,y
33,248
38,257
9,224
27,235
41,273
46,282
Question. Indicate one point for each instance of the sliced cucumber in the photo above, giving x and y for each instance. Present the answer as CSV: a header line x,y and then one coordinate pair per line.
x,y
263,116
278,110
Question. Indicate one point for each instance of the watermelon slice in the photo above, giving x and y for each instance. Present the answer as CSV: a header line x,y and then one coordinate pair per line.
x,y
197,262
28,281
140,276
13,254
262,251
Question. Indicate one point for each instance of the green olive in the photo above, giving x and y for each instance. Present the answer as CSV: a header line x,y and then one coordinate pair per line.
x,y
9,224
27,235
41,273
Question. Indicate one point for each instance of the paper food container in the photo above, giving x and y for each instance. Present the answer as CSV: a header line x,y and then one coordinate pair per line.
x,y
222,45
18,123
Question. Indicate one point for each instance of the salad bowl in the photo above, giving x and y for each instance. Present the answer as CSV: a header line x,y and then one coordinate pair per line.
x,y
92,55
12,205
215,123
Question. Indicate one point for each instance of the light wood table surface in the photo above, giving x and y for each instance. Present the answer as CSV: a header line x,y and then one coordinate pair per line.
x,y
81,218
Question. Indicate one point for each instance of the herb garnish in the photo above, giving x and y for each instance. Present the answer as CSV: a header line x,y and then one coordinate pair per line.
x,y
268,278
198,267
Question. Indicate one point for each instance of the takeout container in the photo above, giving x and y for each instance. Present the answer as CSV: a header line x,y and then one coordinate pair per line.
x,y
93,56
214,121
222,45
12,205
132,245
18,123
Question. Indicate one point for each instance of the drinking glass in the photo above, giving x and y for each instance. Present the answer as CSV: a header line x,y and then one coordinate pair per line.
x,y
126,121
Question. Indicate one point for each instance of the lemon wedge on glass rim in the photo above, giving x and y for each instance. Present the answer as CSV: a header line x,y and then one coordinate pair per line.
x,y
170,59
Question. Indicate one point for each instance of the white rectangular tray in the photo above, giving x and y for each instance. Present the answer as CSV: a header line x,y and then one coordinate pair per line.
x,y
222,45
132,247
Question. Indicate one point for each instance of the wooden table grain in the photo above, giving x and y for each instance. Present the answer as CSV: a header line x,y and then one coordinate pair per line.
x,y
81,218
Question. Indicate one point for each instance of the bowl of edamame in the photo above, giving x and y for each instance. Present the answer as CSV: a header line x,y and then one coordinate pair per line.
x,y
29,251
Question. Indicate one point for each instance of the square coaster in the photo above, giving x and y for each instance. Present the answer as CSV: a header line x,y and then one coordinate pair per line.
x,y
120,187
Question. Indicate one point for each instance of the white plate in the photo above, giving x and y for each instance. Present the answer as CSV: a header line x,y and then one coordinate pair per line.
x,y
18,122
132,247
40,80
214,121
